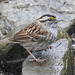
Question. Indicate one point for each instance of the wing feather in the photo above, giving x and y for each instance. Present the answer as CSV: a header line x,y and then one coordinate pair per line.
x,y
30,33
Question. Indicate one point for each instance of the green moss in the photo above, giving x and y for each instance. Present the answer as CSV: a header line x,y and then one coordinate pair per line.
x,y
68,58
63,34
5,48
1,46
68,63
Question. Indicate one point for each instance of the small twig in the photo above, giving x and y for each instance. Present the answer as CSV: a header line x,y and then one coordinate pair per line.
x,y
15,61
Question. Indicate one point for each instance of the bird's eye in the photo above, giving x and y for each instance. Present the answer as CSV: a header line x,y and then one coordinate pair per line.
x,y
52,18
49,20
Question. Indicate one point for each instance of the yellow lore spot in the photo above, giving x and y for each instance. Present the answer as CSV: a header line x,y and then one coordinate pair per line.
x,y
53,18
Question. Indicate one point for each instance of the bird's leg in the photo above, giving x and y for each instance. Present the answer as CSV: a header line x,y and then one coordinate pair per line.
x,y
48,47
34,58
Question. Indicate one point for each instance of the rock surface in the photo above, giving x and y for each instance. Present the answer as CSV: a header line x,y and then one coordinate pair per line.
x,y
21,13
24,12
59,61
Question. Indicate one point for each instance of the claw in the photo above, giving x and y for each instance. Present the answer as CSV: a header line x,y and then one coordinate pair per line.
x,y
38,60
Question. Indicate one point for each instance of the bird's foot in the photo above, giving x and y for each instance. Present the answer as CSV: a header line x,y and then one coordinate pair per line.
x,y
35,59
38,60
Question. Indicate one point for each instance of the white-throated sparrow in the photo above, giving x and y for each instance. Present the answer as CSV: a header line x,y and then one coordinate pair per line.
x,y
37,36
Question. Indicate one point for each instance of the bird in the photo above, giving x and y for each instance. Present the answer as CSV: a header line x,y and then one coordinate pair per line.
x,y
36,36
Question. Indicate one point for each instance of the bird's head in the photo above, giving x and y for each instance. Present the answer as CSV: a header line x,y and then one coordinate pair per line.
x,y
47,19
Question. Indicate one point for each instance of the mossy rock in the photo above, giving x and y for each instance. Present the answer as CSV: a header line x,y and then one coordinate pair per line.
x,y
63,34
69,64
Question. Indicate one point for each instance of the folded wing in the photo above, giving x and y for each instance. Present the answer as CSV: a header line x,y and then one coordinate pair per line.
x,y
32,32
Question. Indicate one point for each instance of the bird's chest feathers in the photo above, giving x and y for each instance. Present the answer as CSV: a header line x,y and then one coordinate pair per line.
x,y
52,30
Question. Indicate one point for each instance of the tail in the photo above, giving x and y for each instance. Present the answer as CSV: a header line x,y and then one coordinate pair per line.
x,y
5,41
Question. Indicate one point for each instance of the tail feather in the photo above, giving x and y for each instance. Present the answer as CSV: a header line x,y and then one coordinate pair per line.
x,y
5,41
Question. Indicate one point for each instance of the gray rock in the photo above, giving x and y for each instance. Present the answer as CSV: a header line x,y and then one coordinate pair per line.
x,y
24,12
58,61
5,26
